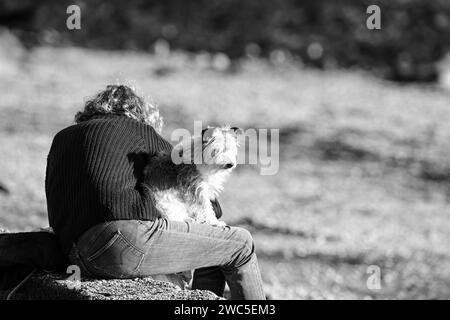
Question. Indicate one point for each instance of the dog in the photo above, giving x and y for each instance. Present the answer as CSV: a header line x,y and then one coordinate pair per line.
x,y
184,182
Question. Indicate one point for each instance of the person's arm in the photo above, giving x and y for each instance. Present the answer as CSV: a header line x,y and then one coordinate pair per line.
x,y
127,197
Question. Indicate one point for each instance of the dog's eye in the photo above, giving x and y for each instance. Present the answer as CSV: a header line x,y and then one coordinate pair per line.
x,y
214,152
180,153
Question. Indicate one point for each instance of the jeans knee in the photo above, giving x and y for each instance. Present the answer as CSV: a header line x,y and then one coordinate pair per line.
x,y
245,237
246,250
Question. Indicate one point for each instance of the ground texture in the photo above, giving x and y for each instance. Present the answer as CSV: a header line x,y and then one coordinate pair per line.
x,y
57,287
364,169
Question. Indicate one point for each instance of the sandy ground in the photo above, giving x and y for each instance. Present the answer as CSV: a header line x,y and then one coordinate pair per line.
x,y
364,169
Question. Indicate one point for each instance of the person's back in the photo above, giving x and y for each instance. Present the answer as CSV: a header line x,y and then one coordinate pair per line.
x,y
93,174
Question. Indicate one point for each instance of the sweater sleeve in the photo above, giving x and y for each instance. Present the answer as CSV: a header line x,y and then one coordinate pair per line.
x,y
117,181
139,205
140,200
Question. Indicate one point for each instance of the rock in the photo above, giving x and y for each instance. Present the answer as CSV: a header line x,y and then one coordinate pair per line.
x,y
56,286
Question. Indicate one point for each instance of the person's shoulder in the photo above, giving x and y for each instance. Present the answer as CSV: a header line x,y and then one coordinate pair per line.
x,y
84,128
161,144
65,139
98,122
66,132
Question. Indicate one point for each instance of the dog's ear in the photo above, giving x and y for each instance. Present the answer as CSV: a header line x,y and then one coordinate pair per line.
x,y
207,133
237,131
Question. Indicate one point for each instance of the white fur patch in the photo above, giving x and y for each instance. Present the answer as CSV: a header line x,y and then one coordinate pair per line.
x,y
169,203
213,180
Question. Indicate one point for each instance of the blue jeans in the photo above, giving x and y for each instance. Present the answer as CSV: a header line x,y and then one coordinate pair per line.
x,y
135,248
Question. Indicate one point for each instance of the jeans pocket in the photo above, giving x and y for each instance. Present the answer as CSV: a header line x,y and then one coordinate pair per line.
x,y
117,258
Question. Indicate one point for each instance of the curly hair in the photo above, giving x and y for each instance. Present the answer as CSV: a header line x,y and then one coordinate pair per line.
x,y
121,100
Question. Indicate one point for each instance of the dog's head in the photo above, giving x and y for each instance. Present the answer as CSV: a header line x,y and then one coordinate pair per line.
x,y
217,147
214,153
220,146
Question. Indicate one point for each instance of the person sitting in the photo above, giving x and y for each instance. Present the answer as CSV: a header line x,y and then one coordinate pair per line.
x,y
108,225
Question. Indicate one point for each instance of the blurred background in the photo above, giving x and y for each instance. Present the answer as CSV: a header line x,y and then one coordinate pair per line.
x,y
364,175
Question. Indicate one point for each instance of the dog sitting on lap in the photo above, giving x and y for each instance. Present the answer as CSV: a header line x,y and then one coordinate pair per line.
x,y
184,182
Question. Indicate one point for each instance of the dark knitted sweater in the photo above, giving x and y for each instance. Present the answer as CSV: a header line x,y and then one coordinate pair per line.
x,y
94,174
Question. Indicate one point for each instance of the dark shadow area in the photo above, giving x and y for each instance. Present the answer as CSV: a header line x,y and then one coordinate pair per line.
x,y
413,38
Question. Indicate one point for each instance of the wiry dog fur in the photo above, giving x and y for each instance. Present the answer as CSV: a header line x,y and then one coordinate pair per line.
x,y
184,191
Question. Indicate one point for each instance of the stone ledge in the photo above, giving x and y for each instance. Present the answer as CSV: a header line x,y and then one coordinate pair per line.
x,y
57,287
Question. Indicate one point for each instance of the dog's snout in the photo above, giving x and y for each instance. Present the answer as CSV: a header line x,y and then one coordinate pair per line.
x,y
229,165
